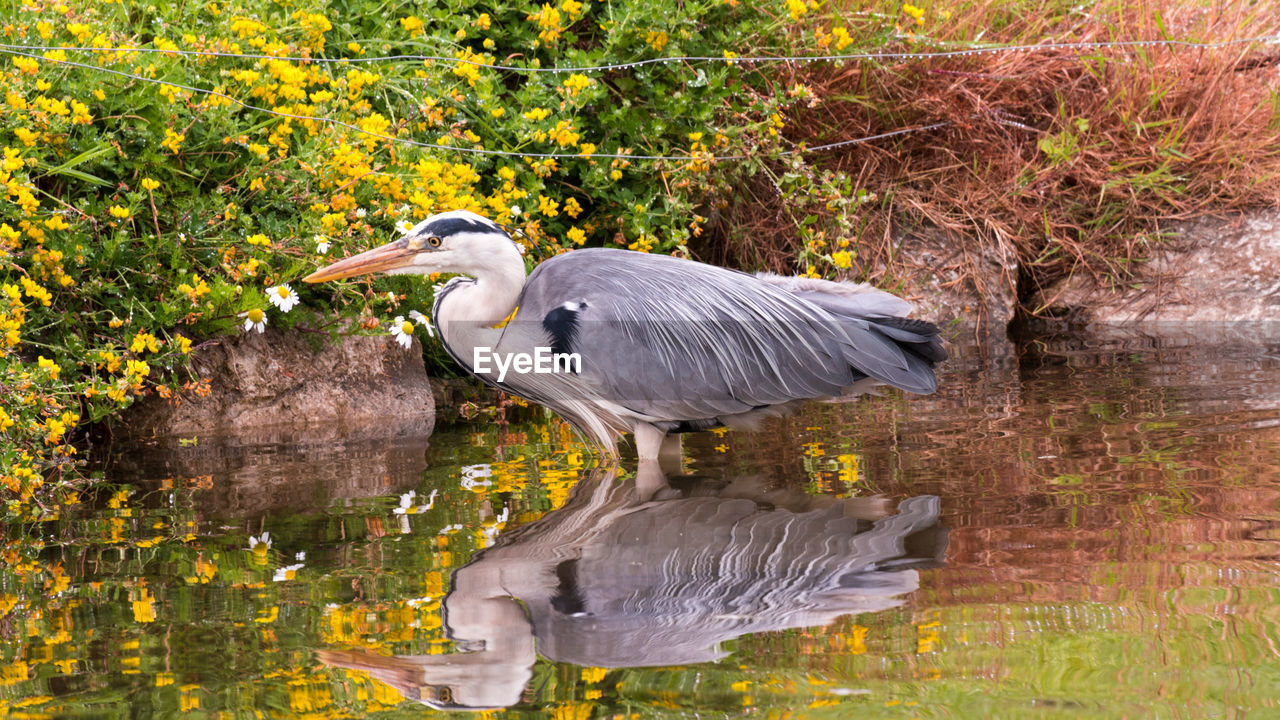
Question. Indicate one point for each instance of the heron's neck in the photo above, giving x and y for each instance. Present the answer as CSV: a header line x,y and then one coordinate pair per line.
x,y
467,315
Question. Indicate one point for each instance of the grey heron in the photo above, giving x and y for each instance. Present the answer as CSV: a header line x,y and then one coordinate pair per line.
x,y
663,345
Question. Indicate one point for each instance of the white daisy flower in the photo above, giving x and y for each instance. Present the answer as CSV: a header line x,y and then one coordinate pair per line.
x,y
409,506
322,244
283,297
404,226
406,503
254,319
402,331
423,322
287,572
361,212
515,211
476,476
264,539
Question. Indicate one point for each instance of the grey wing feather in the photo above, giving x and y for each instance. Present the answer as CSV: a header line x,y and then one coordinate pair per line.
x,y
678,340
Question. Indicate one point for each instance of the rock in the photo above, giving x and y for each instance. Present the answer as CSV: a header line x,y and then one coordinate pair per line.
x,y
965,287
1214,270
365,386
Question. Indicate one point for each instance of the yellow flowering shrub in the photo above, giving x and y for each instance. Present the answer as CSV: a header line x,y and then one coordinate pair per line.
x,y
148,208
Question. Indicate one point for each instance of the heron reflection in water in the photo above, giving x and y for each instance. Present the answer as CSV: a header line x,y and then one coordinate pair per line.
x,y
664,345
632,573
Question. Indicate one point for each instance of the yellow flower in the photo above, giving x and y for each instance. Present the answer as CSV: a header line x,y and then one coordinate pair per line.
x,y
656,39
572,208
144,341
148,184
119,212
144,605
56,429
49,367
483,22
842,259
577,236
26,65
547,206
184,344
258,239
537,114
842,38
411,25
12,160
797,8
548,18
172,140
137,369
80,31
576,84
563,134
27,136
35,291
642,244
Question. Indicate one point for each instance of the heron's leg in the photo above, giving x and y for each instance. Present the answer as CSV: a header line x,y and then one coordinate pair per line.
x,y
648,441
650,480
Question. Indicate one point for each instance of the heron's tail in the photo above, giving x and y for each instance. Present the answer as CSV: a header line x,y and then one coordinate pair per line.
x,y
918,337
884,343
895,350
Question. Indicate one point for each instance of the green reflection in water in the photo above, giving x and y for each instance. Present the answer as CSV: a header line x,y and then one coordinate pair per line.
x,y
1112,553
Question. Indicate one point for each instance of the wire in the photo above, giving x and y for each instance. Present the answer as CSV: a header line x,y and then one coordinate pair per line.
x,y
29,50
918,55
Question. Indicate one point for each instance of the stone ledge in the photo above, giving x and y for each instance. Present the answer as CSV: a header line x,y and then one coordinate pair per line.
x,y
1213,270
361,386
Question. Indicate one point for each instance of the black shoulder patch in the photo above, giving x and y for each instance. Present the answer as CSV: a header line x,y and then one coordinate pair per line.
x,y
562,325
568,598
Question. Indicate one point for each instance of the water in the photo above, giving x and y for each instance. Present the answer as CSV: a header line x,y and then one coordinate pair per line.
x,y
1067,533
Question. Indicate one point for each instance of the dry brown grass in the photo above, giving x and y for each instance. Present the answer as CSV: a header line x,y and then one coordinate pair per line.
x,y
1075,161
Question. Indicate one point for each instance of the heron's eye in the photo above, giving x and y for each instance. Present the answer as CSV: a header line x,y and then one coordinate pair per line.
x,y
433,241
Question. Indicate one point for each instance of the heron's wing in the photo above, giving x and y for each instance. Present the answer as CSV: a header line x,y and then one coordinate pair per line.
x,y
679,340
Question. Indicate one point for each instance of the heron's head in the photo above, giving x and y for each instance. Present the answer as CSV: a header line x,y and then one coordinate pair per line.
x,y
458,241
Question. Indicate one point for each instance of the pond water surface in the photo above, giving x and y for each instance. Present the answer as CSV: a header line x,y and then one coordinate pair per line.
x,y
1058,533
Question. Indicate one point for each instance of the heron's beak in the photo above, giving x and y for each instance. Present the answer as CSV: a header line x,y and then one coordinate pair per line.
x,y
380,259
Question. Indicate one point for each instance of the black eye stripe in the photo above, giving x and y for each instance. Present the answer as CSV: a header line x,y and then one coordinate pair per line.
x,y
450,226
